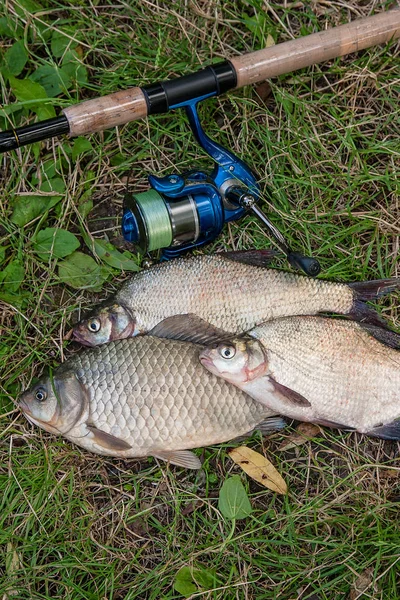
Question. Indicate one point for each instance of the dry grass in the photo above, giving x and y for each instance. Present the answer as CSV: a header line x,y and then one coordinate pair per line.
x,y
326,139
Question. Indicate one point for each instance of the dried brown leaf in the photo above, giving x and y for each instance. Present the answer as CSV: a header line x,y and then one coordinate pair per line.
x,y
263,90
389,473
259,468
303,434
362,583
270,41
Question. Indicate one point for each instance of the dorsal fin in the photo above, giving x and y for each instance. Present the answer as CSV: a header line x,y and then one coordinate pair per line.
x,y
189,328
255,258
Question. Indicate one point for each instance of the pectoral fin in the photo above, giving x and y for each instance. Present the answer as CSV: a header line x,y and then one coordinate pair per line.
x,y
182,458
266,427
108,441
189,328
287,395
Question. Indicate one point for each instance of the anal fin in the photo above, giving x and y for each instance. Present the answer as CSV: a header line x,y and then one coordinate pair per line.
x,y
271,424
266,427
181,458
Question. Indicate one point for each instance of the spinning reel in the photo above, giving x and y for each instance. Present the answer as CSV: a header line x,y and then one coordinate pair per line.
x,y
188,210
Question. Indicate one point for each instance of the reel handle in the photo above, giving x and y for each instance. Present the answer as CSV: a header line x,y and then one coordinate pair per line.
x,y
241,196
308,264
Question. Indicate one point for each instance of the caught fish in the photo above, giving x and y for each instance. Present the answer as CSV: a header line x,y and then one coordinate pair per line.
x,y
332,372
143,397
230,291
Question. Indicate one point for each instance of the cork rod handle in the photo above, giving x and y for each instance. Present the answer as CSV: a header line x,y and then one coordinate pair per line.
x,y
317,47
105,112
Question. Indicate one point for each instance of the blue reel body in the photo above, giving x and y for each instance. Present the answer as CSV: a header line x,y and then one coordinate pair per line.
x,y
196,202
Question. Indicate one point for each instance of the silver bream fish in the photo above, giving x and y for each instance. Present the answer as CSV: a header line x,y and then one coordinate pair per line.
x,y
329,371
231,291
143,397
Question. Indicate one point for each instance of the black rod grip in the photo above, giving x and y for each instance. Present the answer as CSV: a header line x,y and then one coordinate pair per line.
x,y
14,138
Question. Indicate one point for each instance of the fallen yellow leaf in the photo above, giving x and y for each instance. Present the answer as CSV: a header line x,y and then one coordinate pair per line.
x,y
258,468
269,41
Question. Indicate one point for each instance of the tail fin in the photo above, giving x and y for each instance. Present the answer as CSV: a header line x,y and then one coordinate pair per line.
x,y
391,431
365,291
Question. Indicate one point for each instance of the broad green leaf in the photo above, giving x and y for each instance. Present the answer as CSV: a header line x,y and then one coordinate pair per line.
x,y
44,111
85,207
81,271
110,255
191,580
48,170
14,59
205,578
12,276
19,299
60,42
53,185
184,582
9,110
27,208
74,68
31,6
53,79
27,91
81,144
233,501
55,243
9,29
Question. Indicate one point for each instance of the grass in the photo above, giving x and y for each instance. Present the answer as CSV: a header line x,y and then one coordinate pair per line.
x,y
74,525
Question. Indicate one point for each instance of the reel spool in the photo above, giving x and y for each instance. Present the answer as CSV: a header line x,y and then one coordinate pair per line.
x,y
182,212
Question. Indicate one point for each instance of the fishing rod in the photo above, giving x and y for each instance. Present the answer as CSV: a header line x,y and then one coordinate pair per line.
x,y
186,210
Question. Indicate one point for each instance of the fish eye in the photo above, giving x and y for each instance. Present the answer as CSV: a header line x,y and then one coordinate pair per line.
x,y
227,351
94,325
40,395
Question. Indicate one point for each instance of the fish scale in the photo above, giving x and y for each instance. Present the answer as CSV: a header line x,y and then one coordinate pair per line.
x,y
318,369
151,393
335,361
229,292
216,288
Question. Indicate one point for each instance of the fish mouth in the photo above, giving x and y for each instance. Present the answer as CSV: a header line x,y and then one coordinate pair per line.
x,y
34,421
78,337
206,361
24,407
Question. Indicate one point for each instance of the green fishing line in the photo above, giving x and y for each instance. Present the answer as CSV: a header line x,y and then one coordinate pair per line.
x,y
158,224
